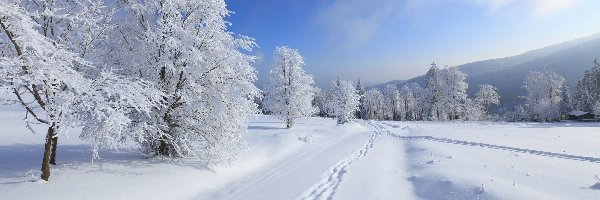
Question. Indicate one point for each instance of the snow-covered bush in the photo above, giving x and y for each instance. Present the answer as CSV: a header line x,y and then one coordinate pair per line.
x,y
517,115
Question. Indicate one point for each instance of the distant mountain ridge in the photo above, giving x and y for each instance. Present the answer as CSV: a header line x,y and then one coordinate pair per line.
x,y
569,59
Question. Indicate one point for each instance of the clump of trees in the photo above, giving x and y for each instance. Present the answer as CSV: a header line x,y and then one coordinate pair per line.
x,y
443,98
166,74
548,98
587,93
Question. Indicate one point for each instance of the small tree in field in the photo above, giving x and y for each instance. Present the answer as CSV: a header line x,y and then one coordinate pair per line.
x,y
473,110
455,92
290,90
361,113
374,103
487,96
343,100
544,94
435,93
392,100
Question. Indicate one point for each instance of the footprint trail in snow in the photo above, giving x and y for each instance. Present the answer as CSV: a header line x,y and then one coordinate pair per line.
x,y
382,129
326,188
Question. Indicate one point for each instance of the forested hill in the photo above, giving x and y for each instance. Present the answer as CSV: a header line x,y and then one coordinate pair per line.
x,y
569,59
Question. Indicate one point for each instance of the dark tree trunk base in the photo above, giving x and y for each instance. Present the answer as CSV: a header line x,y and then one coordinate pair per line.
x,y
53,152
162,147
47,149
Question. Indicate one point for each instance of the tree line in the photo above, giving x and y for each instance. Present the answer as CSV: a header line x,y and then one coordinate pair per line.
x,y
442,98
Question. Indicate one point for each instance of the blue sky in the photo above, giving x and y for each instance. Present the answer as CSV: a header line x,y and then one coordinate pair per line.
x,y
383,40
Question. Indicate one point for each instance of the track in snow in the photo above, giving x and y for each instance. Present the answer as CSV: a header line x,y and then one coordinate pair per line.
x,y
381,128
255,181
326,188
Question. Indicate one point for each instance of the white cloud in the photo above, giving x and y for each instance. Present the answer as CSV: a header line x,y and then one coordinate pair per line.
x,y
355,21
538,7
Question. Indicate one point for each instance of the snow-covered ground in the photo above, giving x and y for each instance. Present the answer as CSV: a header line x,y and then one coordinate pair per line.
x,y
501,160
321,160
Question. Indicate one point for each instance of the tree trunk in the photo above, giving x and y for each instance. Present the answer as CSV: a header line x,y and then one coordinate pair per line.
x,y
289,123
53,153
47,149
341,120
162,148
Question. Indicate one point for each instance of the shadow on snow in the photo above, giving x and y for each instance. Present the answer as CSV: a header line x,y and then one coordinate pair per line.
x,y
22,161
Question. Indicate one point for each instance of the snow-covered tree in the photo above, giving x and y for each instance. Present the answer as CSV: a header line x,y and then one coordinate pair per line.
x,y
435,93
46,62
414,99
289,93
320,101
446,93
455,91
566,105
408,102
487,96
587,91
361,113
473,110
392,98
185,49
518,114
597,109
374,103
343,100
544,94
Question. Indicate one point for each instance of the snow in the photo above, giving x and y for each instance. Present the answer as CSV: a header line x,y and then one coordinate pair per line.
x,y
380,175
318,159
577,113
457,170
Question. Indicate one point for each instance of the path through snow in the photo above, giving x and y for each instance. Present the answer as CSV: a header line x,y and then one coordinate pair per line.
x,y
326,188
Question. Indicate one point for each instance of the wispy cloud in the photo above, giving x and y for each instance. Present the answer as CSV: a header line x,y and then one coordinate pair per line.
x,y
537,7
355,21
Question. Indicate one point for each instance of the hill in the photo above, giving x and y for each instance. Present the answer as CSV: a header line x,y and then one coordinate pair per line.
x,y
569,59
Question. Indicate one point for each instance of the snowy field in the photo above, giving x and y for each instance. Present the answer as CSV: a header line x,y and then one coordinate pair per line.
x,y
321,160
